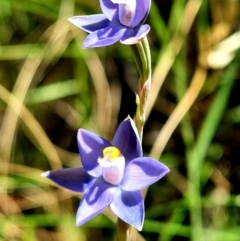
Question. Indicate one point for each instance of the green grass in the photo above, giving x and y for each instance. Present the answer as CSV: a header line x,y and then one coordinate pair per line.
x,y
50,87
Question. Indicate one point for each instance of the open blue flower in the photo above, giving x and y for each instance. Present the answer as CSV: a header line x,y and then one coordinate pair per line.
x,y
121,20
112,175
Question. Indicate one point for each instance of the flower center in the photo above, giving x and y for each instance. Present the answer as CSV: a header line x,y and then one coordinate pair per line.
x,y
111,153
127,10
112,164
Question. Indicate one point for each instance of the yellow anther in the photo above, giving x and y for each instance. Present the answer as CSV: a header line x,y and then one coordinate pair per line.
x,y
111,153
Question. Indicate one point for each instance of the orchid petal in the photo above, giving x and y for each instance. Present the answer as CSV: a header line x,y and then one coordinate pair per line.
x,y
90,148
110,10
74,179
134,35
90,23
95,200
104,37
142,10
142,172
129,207
127,141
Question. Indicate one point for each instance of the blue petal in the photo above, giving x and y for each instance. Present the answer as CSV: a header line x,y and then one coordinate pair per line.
x,y
133,36
127,141
110,10
90,23
74,179
95,200
142,172
90,148
104,37
129,207
142,10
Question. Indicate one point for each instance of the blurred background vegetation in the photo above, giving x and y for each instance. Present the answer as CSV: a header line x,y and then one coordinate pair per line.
x,y
50,87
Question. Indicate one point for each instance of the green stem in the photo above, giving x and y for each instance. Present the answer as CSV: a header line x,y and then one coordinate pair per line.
x,y
144,84
147,58
142,58
137,59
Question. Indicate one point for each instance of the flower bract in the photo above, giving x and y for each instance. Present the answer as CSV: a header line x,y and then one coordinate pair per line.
x,y
113,174
120,20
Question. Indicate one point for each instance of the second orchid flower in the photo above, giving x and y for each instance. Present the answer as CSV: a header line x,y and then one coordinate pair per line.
x,y
113,174
121,20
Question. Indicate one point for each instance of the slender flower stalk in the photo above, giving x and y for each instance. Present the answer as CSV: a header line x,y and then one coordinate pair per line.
x,y
143,56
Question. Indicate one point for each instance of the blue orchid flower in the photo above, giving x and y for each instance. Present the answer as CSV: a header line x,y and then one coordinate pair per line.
x,y
112,175
121,20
